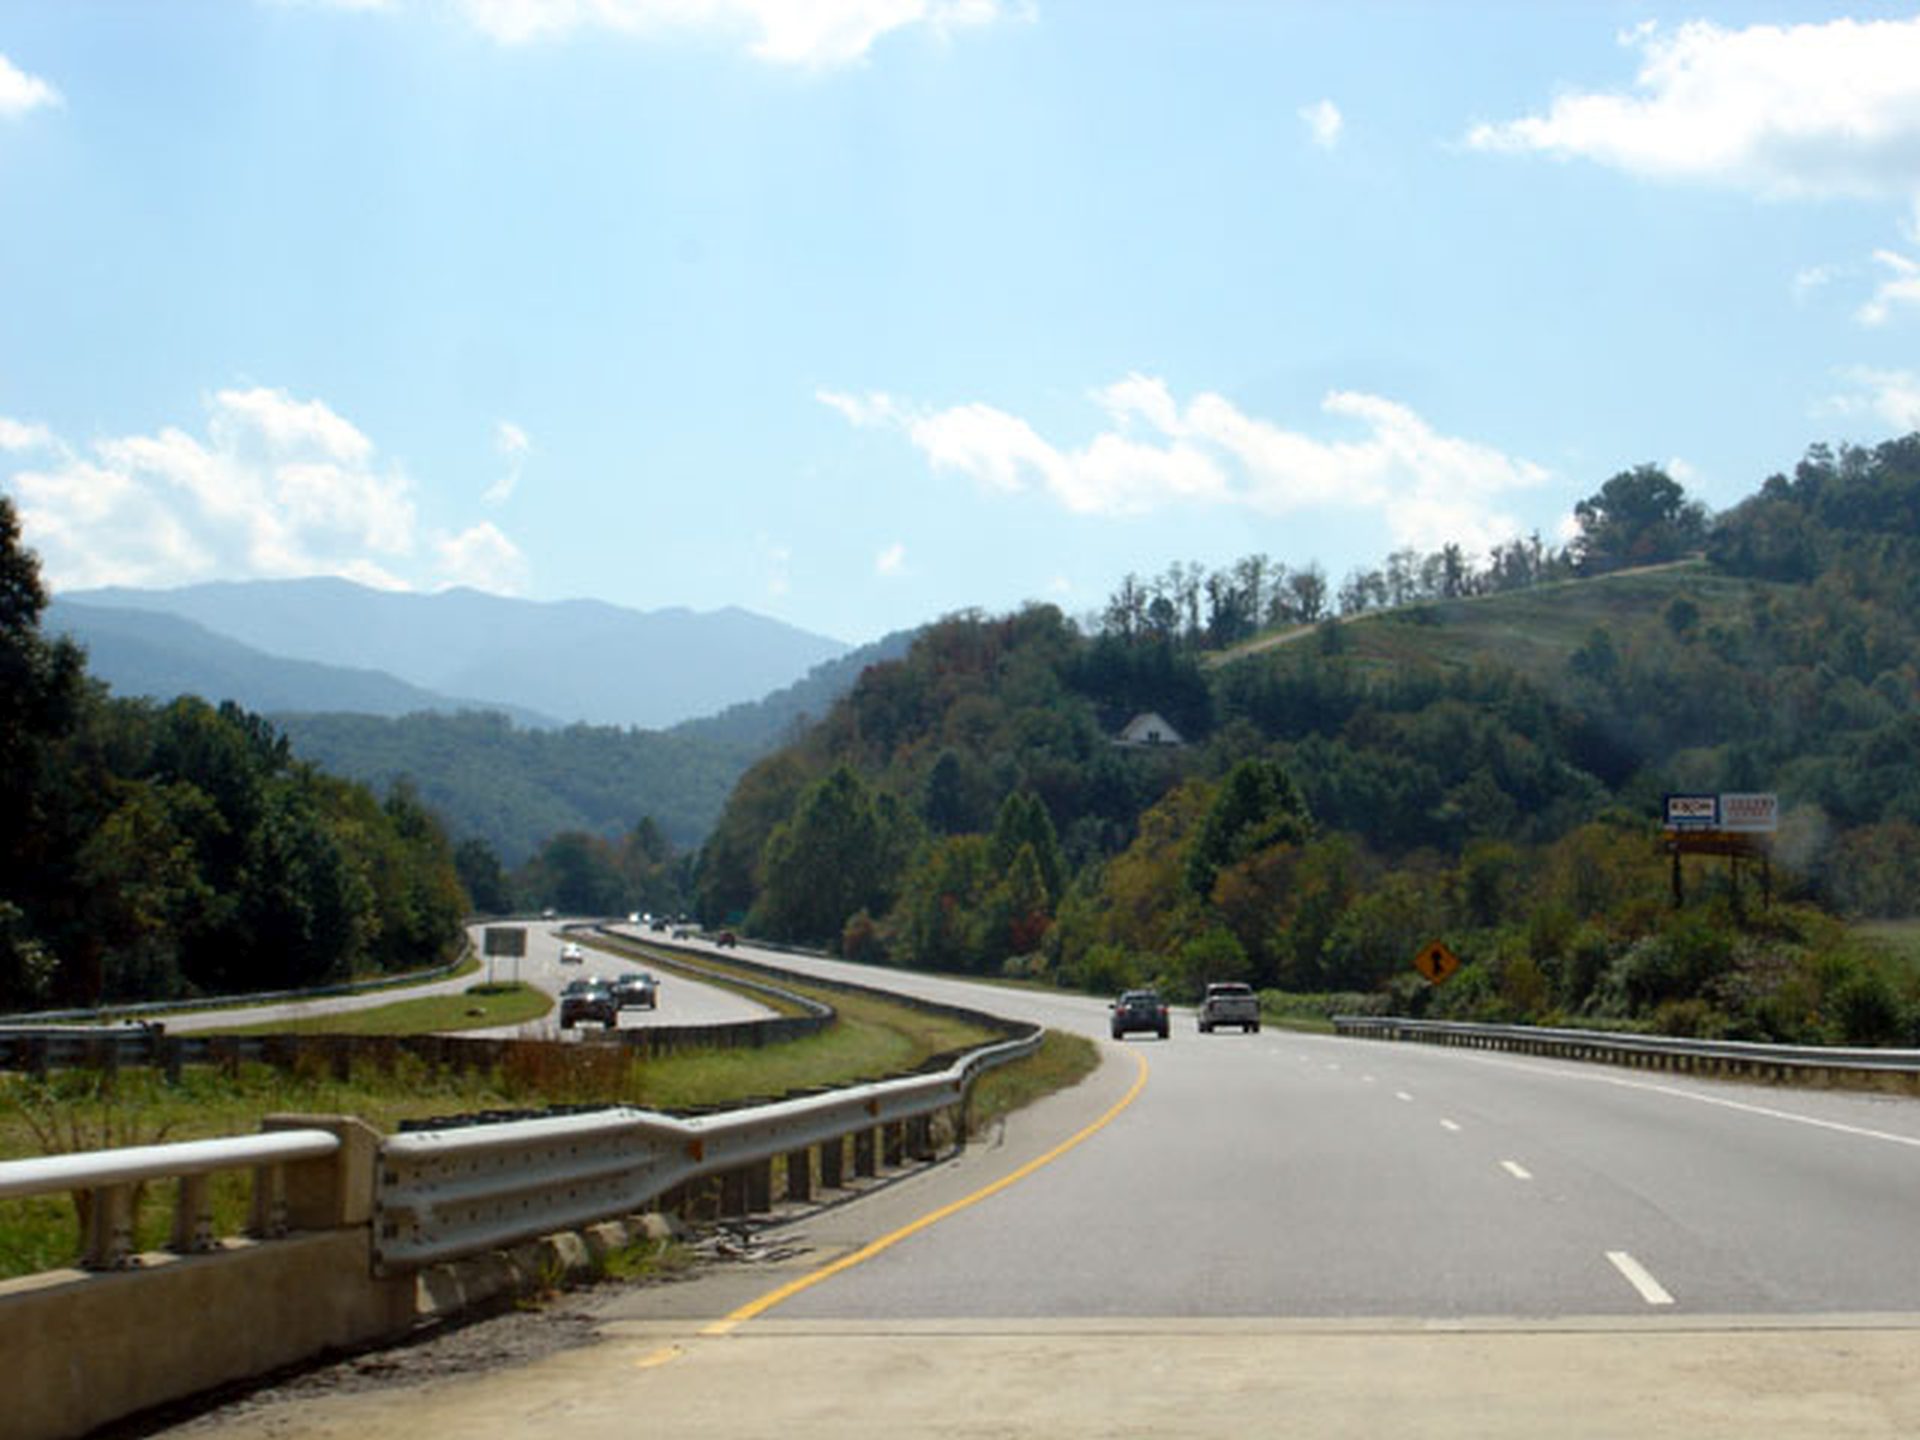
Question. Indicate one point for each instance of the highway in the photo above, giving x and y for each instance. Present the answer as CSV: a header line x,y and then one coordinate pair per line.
x,y
681,1001
1216,1234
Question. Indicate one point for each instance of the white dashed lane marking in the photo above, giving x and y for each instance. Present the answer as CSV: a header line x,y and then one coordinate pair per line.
x,y
1650,1289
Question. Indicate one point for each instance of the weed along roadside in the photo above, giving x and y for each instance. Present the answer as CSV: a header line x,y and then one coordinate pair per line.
x,y
389,1087
309,1187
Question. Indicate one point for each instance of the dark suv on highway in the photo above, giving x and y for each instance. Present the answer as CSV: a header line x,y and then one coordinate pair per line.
x,y
588,1000
1140,1010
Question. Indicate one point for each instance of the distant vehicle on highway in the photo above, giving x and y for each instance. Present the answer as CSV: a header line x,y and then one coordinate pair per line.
x,y
1139,1010
572,954
727,940
636,990
1228,1002
589,998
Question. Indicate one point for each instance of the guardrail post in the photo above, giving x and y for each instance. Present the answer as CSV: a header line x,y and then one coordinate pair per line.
x,y
833,1159
267,1218
109,1228
103,1054
193,1216
894,1137
760,1187
336,1190
800,1176
33,1056
224,1050
920,1137
733,1193
863,1148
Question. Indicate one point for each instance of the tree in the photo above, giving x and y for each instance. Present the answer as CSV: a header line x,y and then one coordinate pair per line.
x,y
481,875
1256,807
1639,517
1309,590
1024,824
823,863
41,691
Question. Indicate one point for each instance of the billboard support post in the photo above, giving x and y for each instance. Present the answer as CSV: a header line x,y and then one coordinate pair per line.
x,y
1739,826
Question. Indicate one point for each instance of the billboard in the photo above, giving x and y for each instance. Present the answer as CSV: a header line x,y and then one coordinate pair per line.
x,y
1736,813
505,940
1752,814
1693,812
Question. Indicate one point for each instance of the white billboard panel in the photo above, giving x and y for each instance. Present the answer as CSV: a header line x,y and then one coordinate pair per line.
x,y
1750,814
1693,812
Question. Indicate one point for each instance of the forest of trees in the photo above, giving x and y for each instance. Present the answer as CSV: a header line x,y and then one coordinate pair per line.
x,y
1639,517
1452,746
151,851
1349,797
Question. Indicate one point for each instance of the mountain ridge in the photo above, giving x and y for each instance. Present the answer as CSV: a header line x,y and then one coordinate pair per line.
x,y
577,660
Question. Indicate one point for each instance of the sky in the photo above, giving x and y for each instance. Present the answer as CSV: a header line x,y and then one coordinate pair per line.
x,y
855,313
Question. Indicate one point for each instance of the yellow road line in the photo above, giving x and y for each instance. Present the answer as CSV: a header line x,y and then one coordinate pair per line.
x,y
886,1242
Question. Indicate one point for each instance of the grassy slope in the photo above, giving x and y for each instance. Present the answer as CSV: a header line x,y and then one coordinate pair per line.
x,y
1533,631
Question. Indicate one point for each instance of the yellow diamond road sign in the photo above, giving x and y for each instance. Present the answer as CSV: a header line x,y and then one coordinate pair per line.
x,y
1436,962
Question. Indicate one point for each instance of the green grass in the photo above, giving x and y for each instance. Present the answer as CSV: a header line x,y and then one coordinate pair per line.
x,y
81,1110
1899,938
1533,631
478,1007
1062,1061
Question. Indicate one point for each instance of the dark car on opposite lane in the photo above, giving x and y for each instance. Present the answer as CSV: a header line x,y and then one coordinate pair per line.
x,y
1139,1010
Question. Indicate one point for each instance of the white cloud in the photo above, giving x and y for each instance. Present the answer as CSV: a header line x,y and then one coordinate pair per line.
x,y
17,436
1324,123
1902,287
511,444
776,565
1427,488
806,33
1813,279
1890,396
21,92
892,561
865,411
482,558
1815,109
275,487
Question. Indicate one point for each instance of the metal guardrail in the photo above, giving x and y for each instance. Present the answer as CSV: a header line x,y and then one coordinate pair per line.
x,y
446,1193
134,1010
105,1181
1657,1052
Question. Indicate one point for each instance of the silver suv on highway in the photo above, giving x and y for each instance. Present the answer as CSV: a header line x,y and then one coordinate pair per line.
x,y
1228,1002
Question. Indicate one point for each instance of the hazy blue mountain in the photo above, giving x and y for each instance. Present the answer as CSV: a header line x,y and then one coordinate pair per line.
x,y
762,724
148,653
578,660
515,788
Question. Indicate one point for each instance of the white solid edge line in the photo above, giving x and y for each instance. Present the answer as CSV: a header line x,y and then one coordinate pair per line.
x,y
1674,1092
1516,1169
1651,1290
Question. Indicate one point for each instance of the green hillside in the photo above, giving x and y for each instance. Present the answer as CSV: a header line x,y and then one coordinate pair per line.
x,y
1470,752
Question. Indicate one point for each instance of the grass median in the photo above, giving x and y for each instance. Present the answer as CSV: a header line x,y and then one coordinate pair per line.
x,y
79,1110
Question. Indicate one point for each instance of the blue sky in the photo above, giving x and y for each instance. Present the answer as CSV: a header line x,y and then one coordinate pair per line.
x,y
856,312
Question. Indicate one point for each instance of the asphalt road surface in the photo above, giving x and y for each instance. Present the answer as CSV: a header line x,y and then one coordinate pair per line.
x,y
681,1001
1279,1233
